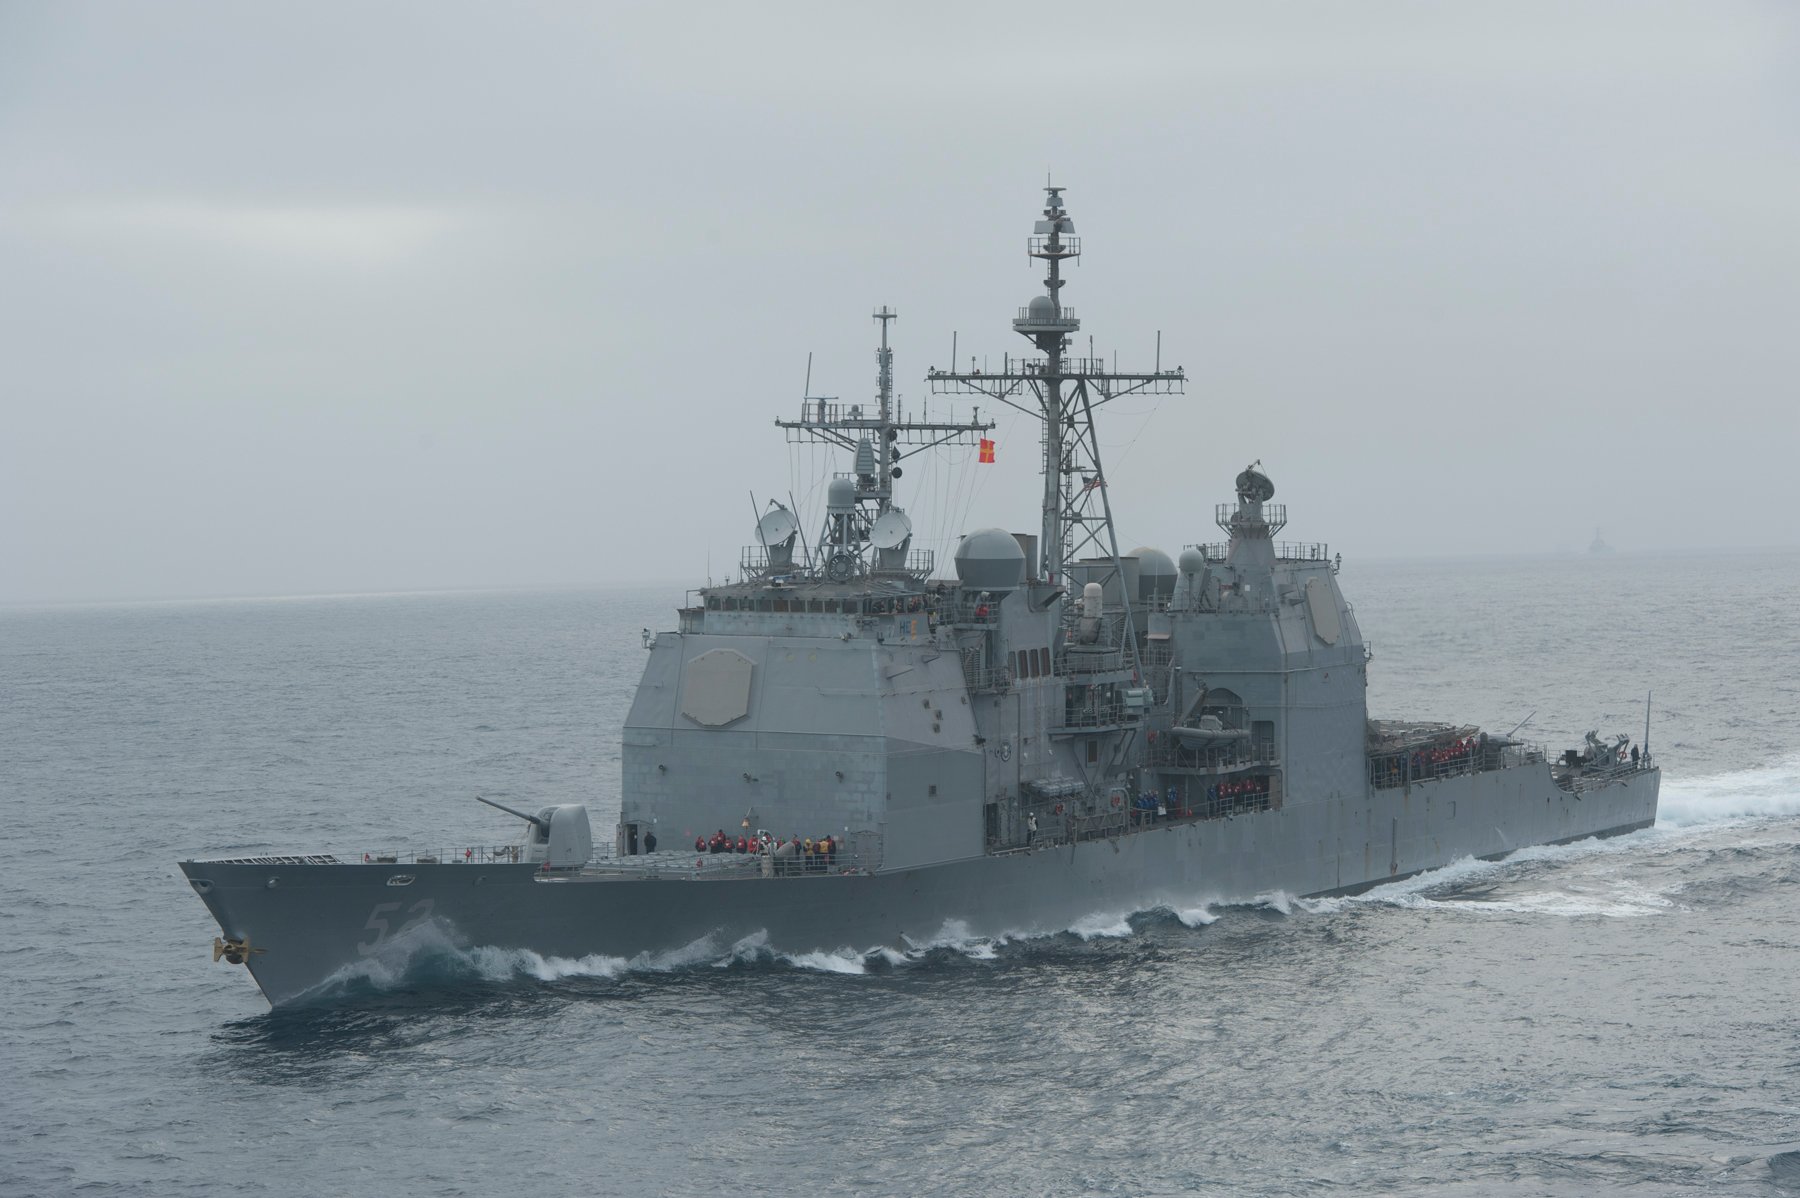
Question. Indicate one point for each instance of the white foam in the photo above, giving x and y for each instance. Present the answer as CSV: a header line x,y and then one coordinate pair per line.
x,y
1604,894
839,961
1617,901
1403,892
955,936
1761,792
1194,917
1101,926
503,964
1275,900
387,968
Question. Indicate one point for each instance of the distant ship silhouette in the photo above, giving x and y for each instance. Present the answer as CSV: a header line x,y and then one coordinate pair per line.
x,y
1599,548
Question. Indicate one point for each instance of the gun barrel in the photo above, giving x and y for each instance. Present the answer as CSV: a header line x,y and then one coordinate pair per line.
x,y
530,819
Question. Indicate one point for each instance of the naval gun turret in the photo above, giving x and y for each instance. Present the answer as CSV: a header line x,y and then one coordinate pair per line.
x,y
557,837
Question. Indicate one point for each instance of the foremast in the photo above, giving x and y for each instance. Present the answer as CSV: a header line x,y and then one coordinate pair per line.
x,y
865,532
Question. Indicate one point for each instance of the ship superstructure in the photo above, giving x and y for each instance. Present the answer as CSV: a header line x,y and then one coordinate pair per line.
x,y
849,746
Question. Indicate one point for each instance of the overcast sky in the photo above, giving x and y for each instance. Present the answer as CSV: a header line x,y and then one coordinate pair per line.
x,y
368,297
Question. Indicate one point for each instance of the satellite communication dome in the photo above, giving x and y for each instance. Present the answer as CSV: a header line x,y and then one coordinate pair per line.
x,y
1156,573
989,559
1041,307
1192,561
840,496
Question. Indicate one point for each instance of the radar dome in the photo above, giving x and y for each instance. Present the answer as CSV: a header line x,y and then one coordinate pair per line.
x,y
840,496
1041,307
1192,561
989,559
1156,573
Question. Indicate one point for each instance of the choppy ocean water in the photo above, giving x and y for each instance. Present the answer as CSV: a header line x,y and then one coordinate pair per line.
x,y
1595,1018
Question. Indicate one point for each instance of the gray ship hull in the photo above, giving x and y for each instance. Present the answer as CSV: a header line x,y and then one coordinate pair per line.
x,y
317,924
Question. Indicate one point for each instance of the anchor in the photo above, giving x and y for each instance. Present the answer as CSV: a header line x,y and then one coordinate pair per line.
x,y
234,951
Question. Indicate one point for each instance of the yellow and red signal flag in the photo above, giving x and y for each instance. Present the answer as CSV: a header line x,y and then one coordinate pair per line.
x,y
986,457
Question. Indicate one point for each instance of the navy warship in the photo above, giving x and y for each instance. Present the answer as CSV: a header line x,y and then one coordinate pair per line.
x,y
847,747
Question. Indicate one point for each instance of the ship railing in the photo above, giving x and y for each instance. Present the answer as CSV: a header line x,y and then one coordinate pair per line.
x,y
754,560
1067,246
1054,318
918,564
504,854
964,611
1262,793
841,860
950,382
1076,664
1069,365
1099,715
667,858
1390,770
1285,551
825,412
1230,517
1222,759
278,859
1187,808
1591,777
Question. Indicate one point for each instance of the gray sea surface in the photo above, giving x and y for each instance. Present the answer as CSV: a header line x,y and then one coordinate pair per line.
x,y
1606,1017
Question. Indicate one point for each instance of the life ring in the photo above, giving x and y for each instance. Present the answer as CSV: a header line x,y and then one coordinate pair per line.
x,y
1059,809
1117,800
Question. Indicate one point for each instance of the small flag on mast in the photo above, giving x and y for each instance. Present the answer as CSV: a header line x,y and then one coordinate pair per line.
x,y
986,457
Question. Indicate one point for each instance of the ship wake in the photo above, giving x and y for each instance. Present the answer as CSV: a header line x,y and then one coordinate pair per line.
x,y
1761,793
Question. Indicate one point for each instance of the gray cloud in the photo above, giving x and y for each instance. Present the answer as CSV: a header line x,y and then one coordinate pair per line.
x,y
362,298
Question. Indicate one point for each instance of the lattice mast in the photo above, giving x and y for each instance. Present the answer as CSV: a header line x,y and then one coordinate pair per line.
x,y
879,442
824,419
1077,513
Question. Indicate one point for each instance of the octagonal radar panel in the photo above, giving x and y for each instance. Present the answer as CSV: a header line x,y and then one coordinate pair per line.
x,y
891,529
777,527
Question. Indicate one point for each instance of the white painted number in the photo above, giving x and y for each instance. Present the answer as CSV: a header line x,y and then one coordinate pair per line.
x,y
417,914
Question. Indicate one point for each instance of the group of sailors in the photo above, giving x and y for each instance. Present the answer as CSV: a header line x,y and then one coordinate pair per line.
x,y
1239,794
721,843
1151,807
1222,798
1455,757
800,854
1459,756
